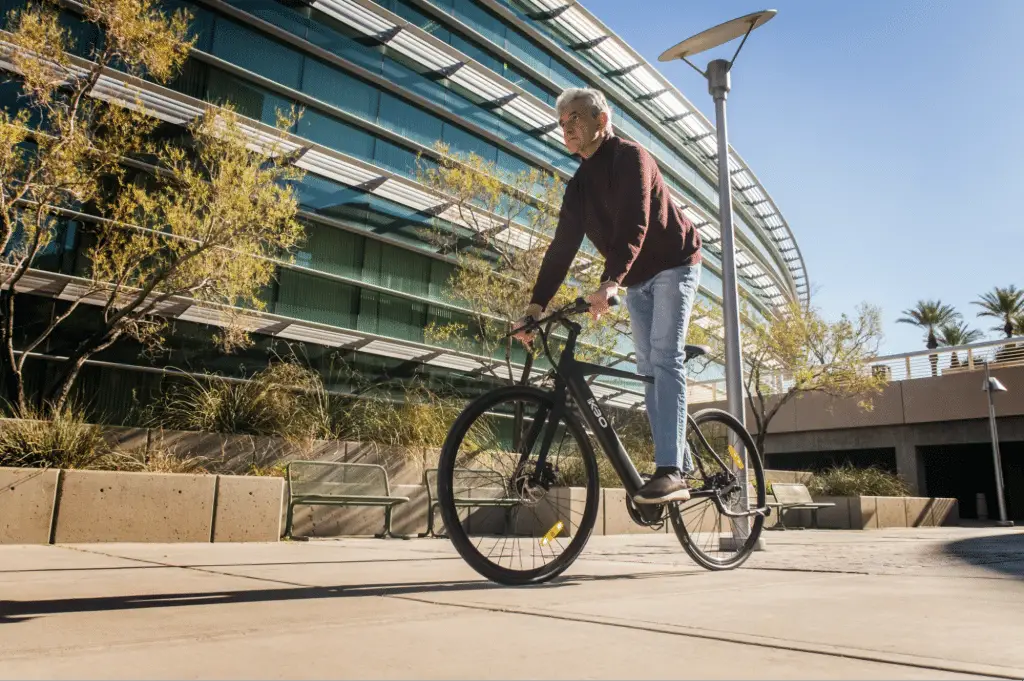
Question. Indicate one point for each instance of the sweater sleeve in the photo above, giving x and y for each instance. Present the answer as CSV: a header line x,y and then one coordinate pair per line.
x,y
634,177
564,246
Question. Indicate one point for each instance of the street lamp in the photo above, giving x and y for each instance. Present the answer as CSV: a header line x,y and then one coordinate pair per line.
x,y
991,386
717,75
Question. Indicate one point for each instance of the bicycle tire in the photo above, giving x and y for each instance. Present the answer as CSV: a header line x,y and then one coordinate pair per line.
x,y
755,466
450,512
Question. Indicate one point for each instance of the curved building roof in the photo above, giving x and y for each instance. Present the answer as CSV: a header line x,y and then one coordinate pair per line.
x,y
636,86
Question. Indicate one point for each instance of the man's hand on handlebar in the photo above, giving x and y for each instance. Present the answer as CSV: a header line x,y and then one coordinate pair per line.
x,y
526,337
599,299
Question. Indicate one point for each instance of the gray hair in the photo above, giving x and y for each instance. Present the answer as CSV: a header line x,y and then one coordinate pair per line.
x,y
594,99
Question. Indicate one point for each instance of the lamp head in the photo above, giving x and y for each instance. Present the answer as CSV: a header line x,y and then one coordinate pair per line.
x,y
717,35
993,385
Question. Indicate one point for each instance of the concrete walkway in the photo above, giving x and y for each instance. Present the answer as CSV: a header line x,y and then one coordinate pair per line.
x,y
928,603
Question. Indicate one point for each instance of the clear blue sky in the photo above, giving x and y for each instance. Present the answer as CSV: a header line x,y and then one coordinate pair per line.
x,y
889,132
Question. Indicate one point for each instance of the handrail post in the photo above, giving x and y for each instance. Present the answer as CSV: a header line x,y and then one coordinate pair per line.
x,y
970,359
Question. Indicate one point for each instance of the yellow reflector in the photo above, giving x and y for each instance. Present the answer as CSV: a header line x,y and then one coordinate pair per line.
x,y
735,458
552,533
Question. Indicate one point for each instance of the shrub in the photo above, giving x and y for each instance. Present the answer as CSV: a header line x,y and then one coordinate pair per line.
x,y
159,460
284,400
274,470
60,440
849,481
420,419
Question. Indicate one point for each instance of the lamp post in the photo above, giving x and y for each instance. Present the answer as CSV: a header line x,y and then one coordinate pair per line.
x,y
990,386
717,75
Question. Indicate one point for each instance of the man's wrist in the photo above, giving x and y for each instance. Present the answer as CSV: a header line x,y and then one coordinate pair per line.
x,y
533,310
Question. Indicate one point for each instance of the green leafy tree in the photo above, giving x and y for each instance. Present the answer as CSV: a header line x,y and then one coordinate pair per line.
x,y
200,223
1005,304
929,315
957,334
798,352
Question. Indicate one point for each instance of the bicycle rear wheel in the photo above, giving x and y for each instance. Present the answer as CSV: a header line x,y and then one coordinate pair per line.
x,y
513,518
714,540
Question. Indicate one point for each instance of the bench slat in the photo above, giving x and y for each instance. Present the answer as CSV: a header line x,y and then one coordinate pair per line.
x,y
339,500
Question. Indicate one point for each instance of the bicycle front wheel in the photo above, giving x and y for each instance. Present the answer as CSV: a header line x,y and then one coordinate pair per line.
x,y
713,539
518,489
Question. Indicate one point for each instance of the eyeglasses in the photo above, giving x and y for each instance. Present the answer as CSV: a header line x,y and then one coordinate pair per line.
x,y
571,119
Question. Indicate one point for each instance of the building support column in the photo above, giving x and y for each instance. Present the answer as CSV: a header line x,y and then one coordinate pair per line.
x,y
910,462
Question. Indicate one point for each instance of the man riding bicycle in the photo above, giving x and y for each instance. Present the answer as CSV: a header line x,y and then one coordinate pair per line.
x,y
619,200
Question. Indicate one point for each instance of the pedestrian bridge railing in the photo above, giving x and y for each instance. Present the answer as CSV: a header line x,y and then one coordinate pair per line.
x,y
944,361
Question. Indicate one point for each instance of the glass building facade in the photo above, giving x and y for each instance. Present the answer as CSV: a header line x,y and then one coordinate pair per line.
x,y
380,82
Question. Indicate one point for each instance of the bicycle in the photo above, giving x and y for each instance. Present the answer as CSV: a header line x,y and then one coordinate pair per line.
x,y
561,498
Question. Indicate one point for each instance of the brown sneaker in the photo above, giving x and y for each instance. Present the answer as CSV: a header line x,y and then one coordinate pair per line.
x,y
666,485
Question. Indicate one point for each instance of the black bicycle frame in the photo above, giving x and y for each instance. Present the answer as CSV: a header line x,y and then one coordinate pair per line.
x,y
570,376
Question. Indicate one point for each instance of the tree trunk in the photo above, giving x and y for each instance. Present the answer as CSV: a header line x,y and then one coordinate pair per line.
x,y
60,391
15,387
933,359
12,377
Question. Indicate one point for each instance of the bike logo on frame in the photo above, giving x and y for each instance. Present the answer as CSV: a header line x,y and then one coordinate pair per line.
x,y
597,412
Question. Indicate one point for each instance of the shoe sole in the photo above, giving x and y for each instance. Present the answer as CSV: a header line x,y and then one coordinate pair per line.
x,y
678,495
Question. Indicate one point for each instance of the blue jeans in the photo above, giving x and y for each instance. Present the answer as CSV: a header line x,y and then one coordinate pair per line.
x,y
659,313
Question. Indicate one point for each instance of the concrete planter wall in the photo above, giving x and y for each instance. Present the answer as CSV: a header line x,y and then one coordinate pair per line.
x,y
866,513
27,499
41,506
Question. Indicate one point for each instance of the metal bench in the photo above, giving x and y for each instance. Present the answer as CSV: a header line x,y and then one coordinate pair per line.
x,y
325,483
474,488
794,496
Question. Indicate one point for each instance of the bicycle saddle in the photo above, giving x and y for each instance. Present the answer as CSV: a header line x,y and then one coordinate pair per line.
x,y
693,351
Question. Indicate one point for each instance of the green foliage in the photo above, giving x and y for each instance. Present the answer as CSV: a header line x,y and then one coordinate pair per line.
x,y
63,440
290,400
1005,304
929,315
202,222
799,352
159,460
284,400
849,481
418,418
955,334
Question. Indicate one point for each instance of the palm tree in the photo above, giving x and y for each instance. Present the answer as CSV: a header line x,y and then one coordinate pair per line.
x,y
930,314
953,335
1006,304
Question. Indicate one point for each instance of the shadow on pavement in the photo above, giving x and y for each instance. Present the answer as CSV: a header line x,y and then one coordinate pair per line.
x,y
18,611
1003,553
175,566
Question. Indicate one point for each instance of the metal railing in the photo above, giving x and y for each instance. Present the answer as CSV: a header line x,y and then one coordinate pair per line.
x,y
906,366
950,360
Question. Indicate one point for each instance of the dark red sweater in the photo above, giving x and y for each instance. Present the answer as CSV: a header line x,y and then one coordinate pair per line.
x,y
618,199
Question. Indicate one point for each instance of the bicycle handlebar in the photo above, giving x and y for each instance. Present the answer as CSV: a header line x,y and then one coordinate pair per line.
x,y
579,306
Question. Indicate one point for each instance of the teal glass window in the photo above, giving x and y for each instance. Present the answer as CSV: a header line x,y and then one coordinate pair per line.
x,y
335,134
259,54
408,121
339,89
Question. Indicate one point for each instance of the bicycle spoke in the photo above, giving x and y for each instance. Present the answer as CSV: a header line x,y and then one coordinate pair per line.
x,y
513,493
713,539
